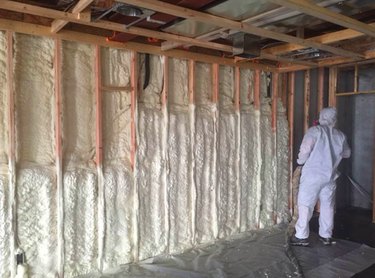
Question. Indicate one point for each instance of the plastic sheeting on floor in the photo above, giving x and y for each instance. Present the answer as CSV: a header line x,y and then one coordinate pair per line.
x,y
343,259
254,254
261,253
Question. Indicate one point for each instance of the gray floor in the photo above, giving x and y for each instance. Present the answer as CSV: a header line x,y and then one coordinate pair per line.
x,y
343,259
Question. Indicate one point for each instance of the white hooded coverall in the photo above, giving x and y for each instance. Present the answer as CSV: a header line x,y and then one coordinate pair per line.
x,y
321,151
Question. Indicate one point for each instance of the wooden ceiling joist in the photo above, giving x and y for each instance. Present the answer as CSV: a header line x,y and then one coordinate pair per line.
x,y
102,24
312,9
45,31
235,25
259,20
287,60
325,39
58,24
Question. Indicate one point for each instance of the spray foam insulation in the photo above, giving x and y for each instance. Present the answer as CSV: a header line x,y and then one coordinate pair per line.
x,y
203,170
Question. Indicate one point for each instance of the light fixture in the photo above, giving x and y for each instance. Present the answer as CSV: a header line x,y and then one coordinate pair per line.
x,y
129,10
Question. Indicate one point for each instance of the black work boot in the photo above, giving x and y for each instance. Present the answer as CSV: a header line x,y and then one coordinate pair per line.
x,y
327,240
295,241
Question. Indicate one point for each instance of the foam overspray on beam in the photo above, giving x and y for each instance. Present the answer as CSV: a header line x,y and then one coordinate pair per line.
x,y
204,162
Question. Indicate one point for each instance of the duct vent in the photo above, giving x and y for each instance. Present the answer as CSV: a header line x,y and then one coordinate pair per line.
x,y
246,45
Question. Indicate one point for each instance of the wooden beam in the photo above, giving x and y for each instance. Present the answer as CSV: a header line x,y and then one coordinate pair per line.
x,y
192,115
11,155
331,62
40,30
312,9
215,83
306,119
291,138
284,89
355,93
332,86
274,104
356,78
257,89
258,20
275,86
287,60
98,99
231,24
99,157
108,25
57,25
370,54
320,89
133,105
164,96
346,34
58,157
191,82
237,107
292,68
237,87
115,88
165,147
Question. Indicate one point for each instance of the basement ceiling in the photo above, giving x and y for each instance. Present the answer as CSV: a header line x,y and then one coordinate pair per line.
x,y
283,34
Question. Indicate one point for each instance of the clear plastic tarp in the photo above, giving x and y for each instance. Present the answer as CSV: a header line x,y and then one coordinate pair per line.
x,y
263,253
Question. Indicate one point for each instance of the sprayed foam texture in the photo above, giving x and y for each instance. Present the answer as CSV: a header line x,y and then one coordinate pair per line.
x,y
251,161
202,172
282,165
227,175
80,225
179,182
205,175
34,88
3,101
268,168
150,167
4,228
37,219
178,82
119,213
78,103
226,87
116,106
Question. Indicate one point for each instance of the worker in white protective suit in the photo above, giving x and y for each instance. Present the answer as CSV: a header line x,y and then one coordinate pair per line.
x,y
321,151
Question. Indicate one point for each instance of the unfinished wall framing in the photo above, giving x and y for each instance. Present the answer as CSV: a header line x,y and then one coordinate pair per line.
x,y
109,165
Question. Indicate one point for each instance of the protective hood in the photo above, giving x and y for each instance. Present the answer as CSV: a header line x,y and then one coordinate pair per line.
x,y
328,116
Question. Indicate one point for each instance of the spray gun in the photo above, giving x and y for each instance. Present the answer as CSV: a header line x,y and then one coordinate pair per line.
x,y
22,268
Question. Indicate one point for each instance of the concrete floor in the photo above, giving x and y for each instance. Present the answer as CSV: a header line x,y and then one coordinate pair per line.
x,y
353,224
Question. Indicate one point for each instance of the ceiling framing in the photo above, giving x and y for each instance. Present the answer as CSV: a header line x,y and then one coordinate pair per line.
x,y
155,31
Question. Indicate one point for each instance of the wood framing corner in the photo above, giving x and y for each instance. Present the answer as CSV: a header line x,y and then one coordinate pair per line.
x,y
275,86
164,96
332,86
133,105
58,157
320,89
257,89
11,154
237,87
215,83
191,82
291,137
98,98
